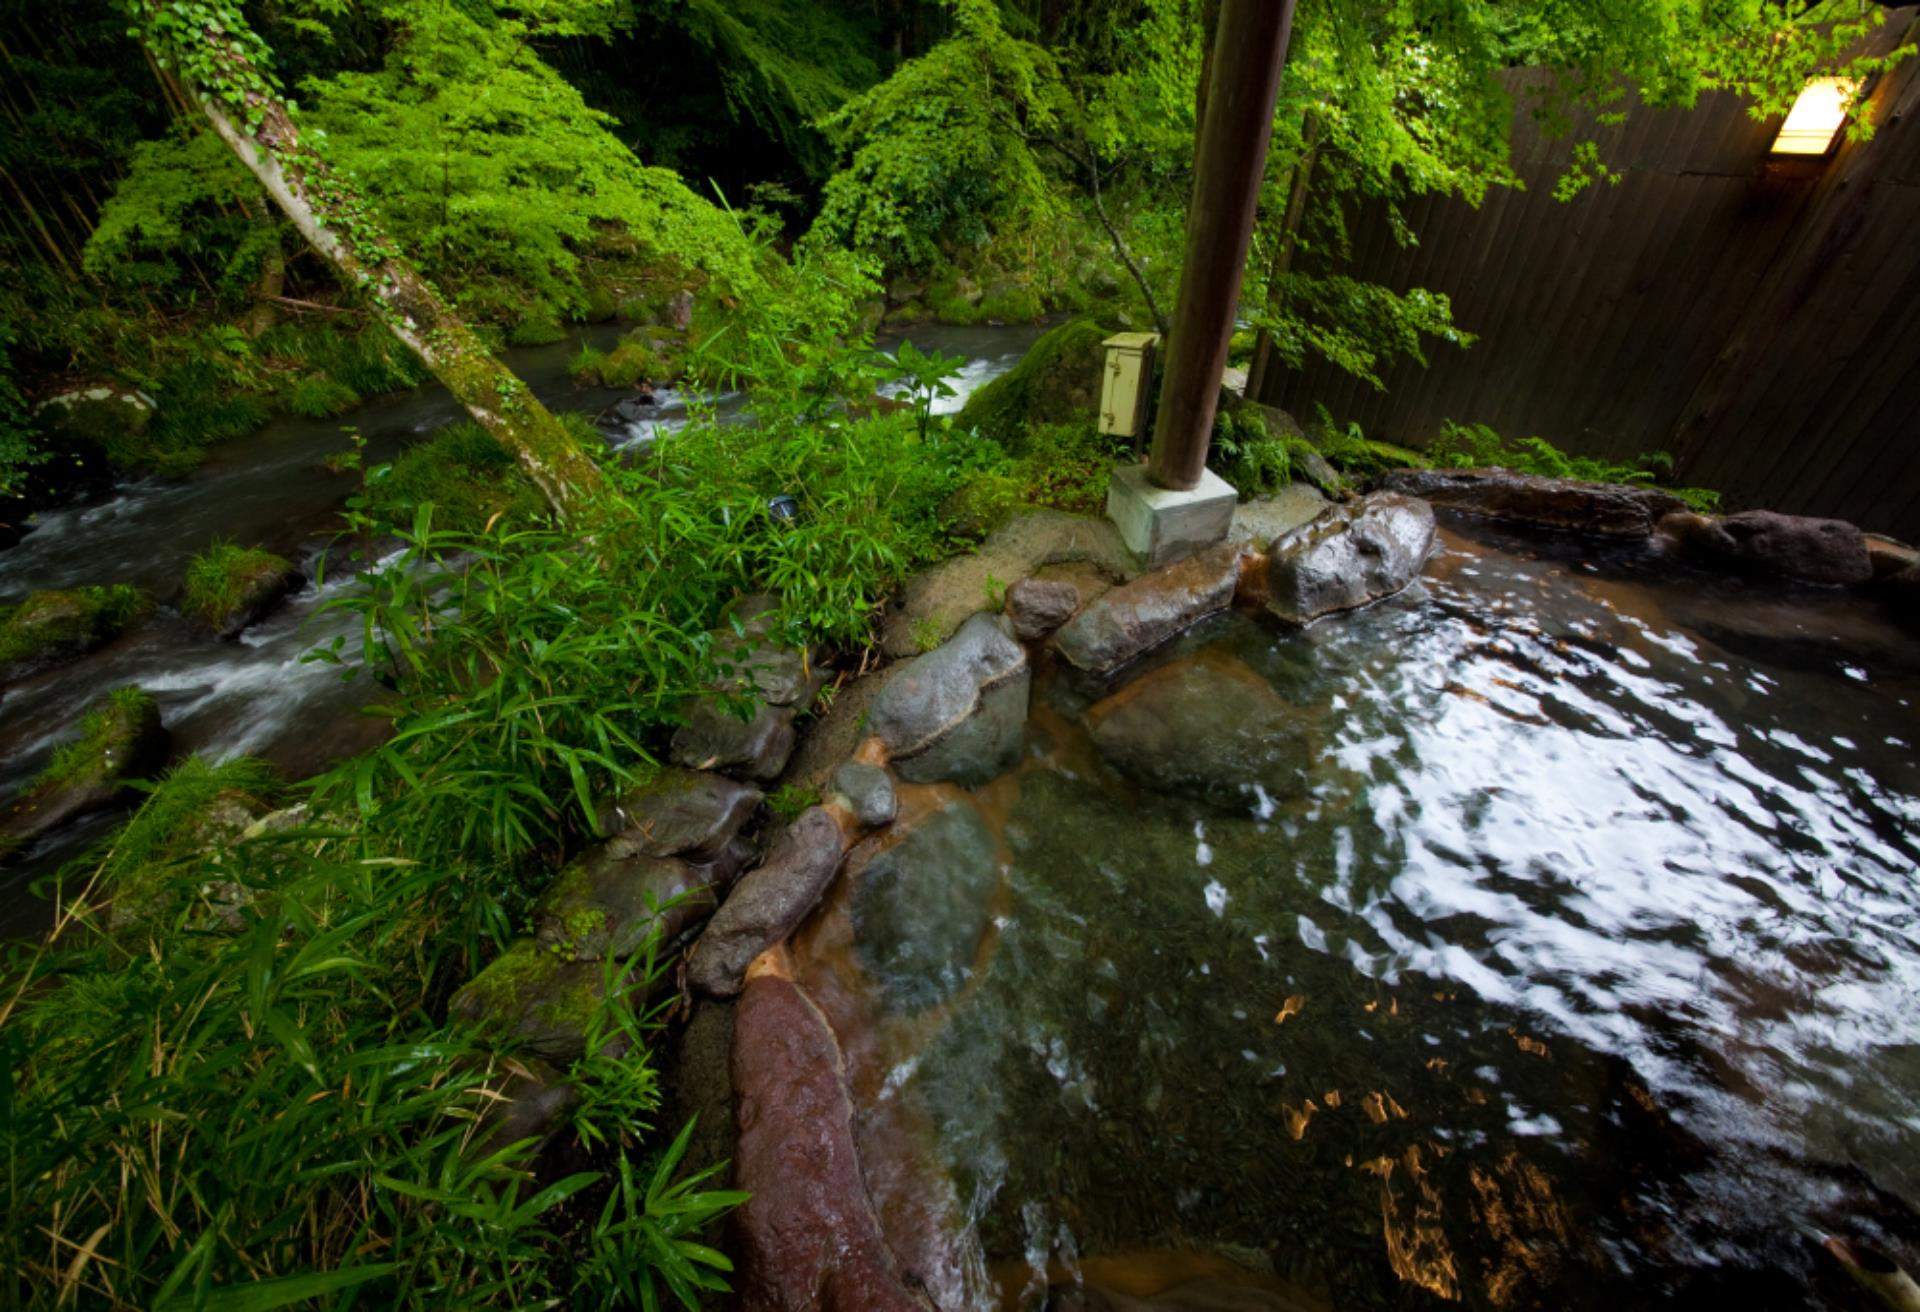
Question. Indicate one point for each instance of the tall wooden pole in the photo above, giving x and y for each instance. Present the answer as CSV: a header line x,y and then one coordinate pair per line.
x,y
1249,50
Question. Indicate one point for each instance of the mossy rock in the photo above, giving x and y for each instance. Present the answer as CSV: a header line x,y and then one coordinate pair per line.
x,y
60,624
229,587
120,739
537,999
1056,381
103,414
539,329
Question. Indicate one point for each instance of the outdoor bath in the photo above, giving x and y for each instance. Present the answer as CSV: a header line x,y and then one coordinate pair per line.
x,y
1539,936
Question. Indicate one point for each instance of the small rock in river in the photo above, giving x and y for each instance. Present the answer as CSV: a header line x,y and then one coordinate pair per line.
x,y
868,791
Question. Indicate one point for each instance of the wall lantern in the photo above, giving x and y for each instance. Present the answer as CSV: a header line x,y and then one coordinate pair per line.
x,y
1125,382
1818,114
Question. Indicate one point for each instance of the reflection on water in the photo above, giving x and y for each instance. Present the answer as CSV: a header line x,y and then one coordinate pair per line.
x,y
1578,969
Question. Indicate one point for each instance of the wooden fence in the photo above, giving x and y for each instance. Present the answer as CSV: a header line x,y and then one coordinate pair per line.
x,y
1758,319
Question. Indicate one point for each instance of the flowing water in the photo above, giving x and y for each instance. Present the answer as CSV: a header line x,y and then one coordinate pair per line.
x,y
1564,952
257,695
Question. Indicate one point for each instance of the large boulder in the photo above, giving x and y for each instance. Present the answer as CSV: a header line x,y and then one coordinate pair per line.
x,y
1208,727
1350,556
51,626
1056,381
1563,504
922,901
1790,548
690,813
1136,617
959,712
767,903
807,1236
120,739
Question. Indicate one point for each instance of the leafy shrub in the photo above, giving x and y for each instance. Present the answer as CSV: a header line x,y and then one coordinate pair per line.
x,y
1257,462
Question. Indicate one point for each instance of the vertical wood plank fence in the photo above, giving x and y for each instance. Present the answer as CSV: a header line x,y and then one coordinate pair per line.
x,y
1758,319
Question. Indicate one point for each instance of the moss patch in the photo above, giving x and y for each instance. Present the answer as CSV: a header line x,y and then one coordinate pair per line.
x,y
320,396
1057,381
68,622
226,583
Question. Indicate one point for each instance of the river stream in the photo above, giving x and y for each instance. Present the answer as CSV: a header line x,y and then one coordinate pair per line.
x,y
257,696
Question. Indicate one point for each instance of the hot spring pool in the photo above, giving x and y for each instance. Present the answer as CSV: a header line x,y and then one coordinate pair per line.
x,y
1544,936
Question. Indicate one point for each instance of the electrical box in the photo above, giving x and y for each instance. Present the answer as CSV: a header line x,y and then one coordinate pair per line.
x,y
1125,381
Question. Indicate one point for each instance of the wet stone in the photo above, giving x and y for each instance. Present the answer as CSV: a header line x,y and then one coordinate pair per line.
x,y
534,1101
1789,548
689,813
134,745
1208,727
715,737
1352,555
1563,504
611,899
807,1234
922,903
1036,607
1136,617
959,712
868,792
767,903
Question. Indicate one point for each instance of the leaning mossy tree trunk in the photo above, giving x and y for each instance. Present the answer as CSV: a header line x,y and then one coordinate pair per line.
x,y
223,63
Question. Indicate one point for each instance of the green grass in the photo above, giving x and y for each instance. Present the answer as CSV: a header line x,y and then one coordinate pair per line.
x,y
224,578
68,621
536,330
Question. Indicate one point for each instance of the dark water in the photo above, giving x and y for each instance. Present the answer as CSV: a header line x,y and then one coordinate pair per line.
x,y
1581,969
257,696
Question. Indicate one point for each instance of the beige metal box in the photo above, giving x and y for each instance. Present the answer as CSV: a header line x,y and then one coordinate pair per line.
x,y
1124,383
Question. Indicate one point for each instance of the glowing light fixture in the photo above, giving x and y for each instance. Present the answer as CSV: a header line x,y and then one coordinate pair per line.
x,y
1818,114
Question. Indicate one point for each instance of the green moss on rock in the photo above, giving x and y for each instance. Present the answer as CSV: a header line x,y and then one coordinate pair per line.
x,y
466,474
53,625
1057,381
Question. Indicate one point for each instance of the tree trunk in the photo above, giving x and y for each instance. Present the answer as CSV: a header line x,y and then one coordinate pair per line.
x,y
252,118
1263,350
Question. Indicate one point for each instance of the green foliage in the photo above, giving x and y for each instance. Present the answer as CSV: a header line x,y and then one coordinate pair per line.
x,y
539,330
225,577
1476,446
56,622
1256,461
789,800
465,474
940,155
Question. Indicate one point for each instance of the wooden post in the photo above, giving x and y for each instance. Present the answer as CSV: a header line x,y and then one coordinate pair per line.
x,y
1249,51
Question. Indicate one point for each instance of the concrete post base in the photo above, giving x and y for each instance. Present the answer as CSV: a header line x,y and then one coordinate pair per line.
x,y
1159,525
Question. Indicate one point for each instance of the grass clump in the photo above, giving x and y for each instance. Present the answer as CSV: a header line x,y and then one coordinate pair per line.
x,y
466,474
226,581
319,396
68,622
536,330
